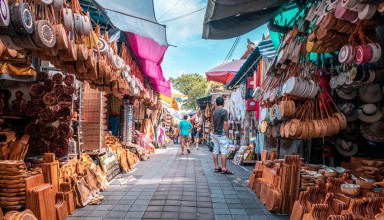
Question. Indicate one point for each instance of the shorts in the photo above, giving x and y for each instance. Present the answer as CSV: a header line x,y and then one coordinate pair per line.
x,y
184,139
220,144
199,135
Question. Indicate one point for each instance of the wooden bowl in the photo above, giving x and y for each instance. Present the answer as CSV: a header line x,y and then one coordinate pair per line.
x,y
365,183
350,189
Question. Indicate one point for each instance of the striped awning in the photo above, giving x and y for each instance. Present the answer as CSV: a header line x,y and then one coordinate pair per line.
x,y
266,49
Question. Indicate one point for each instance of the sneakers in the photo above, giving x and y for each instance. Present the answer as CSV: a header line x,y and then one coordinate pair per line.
x,y
188,151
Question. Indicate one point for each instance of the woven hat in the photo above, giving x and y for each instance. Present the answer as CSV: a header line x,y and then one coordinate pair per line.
x,y
346,148
346,93
349,110
351,132
374,131
368,113
371,93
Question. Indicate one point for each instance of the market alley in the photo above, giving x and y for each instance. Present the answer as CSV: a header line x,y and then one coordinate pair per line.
x,y
171,186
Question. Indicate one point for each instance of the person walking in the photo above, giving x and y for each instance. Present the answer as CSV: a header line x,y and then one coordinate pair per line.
x,y
185,131
219,123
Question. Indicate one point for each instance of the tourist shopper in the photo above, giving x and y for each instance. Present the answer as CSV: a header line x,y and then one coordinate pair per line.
x,y
219,123
198,135
185,131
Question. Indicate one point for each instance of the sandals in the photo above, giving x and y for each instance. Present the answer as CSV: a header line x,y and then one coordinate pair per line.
x,y
188,151
227,172
218,170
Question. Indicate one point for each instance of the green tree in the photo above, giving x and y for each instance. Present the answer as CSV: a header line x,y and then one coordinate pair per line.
x,y
193,85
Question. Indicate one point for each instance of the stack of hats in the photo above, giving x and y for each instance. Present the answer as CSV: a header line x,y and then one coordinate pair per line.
x,y
370,114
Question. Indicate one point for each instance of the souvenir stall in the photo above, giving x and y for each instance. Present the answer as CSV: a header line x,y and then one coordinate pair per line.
x,y
64,85
324,89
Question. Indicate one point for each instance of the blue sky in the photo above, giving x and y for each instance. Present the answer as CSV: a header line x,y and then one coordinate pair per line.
x,y
194,54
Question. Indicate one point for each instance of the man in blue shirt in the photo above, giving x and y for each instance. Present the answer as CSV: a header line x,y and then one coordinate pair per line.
x,y
185,129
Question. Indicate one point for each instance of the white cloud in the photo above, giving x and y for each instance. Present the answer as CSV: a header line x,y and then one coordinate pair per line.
x,y
181,32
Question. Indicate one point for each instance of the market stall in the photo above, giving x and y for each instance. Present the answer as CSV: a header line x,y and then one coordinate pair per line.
x,y
76,109
320,100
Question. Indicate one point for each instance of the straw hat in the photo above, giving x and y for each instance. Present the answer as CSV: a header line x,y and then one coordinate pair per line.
x,y
351,132
346,93
371,93
373,132
349,110
346,148
368,113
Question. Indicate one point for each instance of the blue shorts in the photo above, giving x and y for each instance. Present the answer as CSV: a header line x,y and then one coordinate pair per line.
x,y
220,144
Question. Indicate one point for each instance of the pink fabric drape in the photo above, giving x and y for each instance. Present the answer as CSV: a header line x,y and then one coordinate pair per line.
x,y
150,55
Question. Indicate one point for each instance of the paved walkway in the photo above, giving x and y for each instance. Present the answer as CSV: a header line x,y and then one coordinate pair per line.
x,y
171,186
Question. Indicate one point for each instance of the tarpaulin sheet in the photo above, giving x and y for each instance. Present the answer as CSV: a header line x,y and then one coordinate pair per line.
x,y
150,55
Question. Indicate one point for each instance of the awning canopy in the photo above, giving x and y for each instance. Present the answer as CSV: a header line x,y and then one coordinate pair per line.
x,y
231,18
224,72
135,16
239,77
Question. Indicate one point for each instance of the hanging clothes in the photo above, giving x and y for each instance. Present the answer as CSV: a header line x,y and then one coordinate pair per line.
x,y
147,128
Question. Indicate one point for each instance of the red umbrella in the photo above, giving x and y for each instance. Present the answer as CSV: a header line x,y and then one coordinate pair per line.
x,y
224,73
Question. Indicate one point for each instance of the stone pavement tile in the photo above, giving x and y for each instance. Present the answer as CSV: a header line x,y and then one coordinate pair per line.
x,y
237,211
204,210
189,198
88,208
251,201
98,214
258,217
188,209
233,200
272,216
125,202
81,213
128,196
110,201
155,208
93,218
152,215
231,196
121,208
189,194
252,206
204,199
173,202
157,202
115,197
220,205
236,206
116,214
141,202
219,200
111,218
74,218
240,217
217,195
174,197
189,203
157,197
104,207
254,211
221,211
171,209
170,215
173,192
205,217
223,217
232,192
145,197
188,215
137,208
